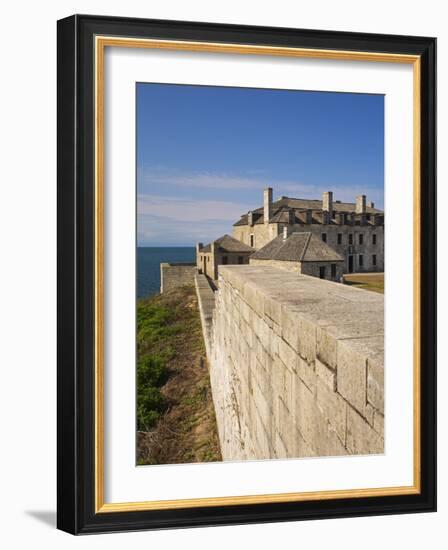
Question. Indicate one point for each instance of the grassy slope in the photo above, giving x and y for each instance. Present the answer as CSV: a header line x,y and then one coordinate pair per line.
x,y
367,281
186,430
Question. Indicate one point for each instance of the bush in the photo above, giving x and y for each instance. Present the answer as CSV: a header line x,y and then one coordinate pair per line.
x,y
151,371
151,375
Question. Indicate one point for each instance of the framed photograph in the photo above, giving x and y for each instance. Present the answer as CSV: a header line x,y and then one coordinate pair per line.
x,y
246,274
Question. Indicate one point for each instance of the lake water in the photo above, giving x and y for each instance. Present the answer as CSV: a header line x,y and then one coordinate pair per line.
x,y
148,265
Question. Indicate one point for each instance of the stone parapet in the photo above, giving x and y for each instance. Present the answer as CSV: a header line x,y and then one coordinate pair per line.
x,y
296,365
176,275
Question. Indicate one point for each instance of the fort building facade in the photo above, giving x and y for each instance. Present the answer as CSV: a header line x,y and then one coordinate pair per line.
x,y
354,230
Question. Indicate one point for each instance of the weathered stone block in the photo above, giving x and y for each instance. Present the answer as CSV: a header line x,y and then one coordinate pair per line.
x,y
254,298
278,376
361,438
290,330
378,423
326,347
288,389
280,448
301,447
285,426
273,309
369,412
333,407
288,356
263,440
326,375
307,374
307,333
264,407
313,424
375,384
351,375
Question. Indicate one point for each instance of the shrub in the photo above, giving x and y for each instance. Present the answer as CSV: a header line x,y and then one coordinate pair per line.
x,y
151,374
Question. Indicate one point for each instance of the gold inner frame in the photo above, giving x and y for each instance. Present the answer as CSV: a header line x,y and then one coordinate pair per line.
x,y
101,42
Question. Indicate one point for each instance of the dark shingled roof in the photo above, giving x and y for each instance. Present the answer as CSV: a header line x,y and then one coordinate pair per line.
x,y
226,243
298,247
281,207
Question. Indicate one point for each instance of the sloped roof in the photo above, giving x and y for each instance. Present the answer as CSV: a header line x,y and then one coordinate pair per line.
x,y
298,247
226,243
281,207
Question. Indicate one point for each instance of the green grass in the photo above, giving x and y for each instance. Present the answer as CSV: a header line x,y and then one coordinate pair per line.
x,y
175,414
154,327
366,281
160,323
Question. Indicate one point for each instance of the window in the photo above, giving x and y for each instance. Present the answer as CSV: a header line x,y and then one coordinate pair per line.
x,y
374,238
333,271
350,238
373,259
339,238
208,258
361,238
240,259
361,260
322,272
224,260
252,240
324,237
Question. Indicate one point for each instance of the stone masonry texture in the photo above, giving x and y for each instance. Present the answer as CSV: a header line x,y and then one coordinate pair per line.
x,y
296,364
176,275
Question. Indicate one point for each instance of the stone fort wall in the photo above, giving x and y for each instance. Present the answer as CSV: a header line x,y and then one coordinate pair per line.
x,y
296,365
176,275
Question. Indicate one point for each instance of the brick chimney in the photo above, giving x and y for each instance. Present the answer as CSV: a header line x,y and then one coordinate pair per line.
x,y
250,218
371,204
327,203
309,217
361,204
267,195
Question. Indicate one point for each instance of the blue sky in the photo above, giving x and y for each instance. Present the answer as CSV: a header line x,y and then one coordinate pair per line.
x,y
205,154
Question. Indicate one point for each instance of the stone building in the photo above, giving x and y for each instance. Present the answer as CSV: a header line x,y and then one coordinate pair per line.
x,y
304,253
223,251
354,230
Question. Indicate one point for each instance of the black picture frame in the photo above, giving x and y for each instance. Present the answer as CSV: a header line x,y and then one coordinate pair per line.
x,y
76,254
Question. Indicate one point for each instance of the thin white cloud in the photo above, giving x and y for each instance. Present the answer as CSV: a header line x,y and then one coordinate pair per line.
x,y
155,229
203,180
189,210
292,188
